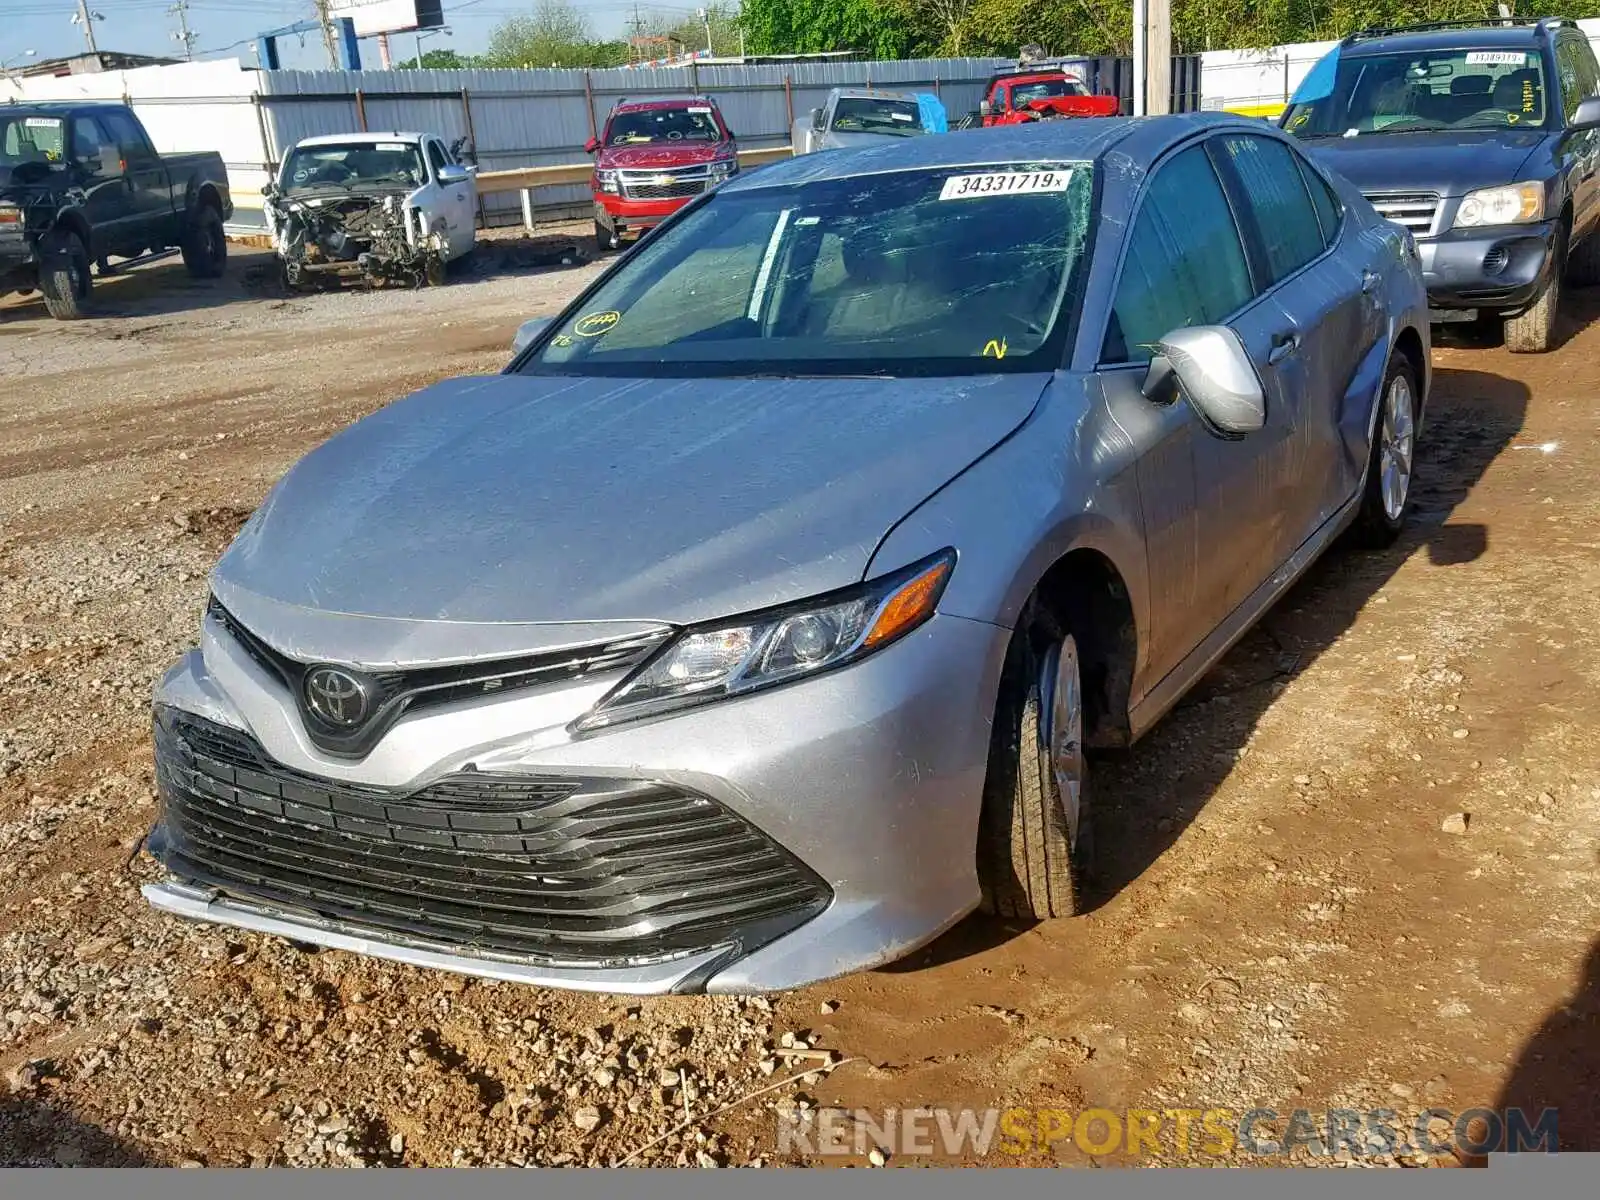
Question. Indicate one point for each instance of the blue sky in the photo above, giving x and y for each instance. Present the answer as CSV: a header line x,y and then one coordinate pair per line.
x,y
147,27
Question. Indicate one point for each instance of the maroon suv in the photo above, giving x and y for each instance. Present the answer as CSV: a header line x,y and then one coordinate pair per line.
x,y
653,157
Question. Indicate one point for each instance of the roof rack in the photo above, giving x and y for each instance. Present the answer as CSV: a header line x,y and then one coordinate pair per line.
x,y
1539,24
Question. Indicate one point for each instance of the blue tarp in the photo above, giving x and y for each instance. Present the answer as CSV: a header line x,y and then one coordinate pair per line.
x,y
1318,83
934,119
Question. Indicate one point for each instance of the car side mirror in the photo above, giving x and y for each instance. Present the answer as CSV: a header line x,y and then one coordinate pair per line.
x,y
1210,364
1587,116
591,145
527,332
985,108
451,173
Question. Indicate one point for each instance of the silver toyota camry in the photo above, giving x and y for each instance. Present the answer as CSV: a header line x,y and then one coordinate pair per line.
x,y
751,626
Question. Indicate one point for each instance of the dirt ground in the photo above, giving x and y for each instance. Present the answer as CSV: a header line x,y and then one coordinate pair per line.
x,y
1356,869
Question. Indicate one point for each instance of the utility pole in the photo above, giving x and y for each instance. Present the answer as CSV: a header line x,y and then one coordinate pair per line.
x,y
637,41
1152,57
183,37
705,16
325,19
87,20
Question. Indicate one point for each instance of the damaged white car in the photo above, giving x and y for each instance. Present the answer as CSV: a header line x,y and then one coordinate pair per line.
x,y
387,208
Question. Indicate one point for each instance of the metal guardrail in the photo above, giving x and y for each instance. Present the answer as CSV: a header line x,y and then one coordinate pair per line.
x,y
527,179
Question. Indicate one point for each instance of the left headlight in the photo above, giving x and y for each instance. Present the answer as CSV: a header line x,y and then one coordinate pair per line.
x,y
710,662
1515,204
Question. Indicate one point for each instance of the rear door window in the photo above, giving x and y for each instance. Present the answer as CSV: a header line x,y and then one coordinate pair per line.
x,y
1329,210
1185,264
1274,192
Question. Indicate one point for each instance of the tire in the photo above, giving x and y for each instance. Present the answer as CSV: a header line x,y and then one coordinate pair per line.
x,y
1032,854
1583,261
1392,459
435,272
1534,331
605,240
205,245
64,277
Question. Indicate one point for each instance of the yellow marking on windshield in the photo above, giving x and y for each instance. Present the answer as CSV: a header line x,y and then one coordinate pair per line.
x,y
995,348
596,323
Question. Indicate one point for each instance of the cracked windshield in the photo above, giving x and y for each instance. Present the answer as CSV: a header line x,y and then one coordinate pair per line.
x,y
691,124
354,165
1449,89
956,271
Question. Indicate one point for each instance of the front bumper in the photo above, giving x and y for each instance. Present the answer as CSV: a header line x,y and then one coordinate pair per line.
x,y
869,777
1502,268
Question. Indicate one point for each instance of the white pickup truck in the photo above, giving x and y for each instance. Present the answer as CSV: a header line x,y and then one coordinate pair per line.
x,y
387,207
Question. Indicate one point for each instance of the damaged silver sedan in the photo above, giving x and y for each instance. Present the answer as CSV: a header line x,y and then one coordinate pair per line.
x,y
751,626
384,208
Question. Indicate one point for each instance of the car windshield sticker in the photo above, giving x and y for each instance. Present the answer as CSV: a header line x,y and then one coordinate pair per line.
x,y
594,324
1496,58
995,349
899,116
391,145
41,122
1004,183
693,109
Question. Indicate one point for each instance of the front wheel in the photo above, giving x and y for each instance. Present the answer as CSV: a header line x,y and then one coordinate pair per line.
x,y
605,238
1392,458
64,278
1033,830
1534,331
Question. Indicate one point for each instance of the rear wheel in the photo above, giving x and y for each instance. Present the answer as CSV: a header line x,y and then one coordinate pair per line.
x,y
64,277
1034,828
205,245
1387,494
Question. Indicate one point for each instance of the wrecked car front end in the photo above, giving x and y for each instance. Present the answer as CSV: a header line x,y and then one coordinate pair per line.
x,y
379,237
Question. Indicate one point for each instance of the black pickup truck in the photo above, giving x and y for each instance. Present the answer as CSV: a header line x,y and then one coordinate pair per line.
x,y
1484,141
81,184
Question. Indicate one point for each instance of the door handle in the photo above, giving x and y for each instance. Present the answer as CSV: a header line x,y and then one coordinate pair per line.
x,y
1370,280
1283,345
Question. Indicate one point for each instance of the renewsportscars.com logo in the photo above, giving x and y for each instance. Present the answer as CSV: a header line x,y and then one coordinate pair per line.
x,y
1167,1132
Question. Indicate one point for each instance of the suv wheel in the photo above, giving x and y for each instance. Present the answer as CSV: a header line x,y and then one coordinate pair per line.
x,y
64,277
605,238
1033,830
1534,331
205,245
1392,459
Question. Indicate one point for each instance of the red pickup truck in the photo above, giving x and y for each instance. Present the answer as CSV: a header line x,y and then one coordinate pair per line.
x,y
1016,97
652,158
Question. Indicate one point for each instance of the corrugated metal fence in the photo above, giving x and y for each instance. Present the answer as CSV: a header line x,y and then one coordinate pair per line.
x,y
543,117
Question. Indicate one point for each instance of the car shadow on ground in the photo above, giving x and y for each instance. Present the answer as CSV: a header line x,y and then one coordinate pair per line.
x,y
1559,1067
35,1133
1143,798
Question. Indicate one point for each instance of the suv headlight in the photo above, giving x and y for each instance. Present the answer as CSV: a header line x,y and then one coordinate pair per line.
x,y
721,168
1515,204
730,658
608,180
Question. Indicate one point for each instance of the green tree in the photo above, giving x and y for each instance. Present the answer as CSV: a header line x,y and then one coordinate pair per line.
x,y
554,34
882,29
439,60
688,33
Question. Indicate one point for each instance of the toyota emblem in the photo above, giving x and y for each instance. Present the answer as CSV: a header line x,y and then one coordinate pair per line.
x,y
336,697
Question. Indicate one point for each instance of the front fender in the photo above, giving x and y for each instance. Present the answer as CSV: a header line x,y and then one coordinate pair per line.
x,y
1064,480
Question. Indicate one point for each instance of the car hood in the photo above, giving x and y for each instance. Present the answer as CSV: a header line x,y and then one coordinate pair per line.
x,y
1451,163
665,154
554,499
845,139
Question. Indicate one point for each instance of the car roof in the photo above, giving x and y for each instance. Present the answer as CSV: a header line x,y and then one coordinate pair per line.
x,y
1139,141
861,93
360,139
57,107
1490,37
669,102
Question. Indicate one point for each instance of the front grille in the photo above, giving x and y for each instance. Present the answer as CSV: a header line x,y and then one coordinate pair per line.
x,y
397,692
1414,210
561,870
652,185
